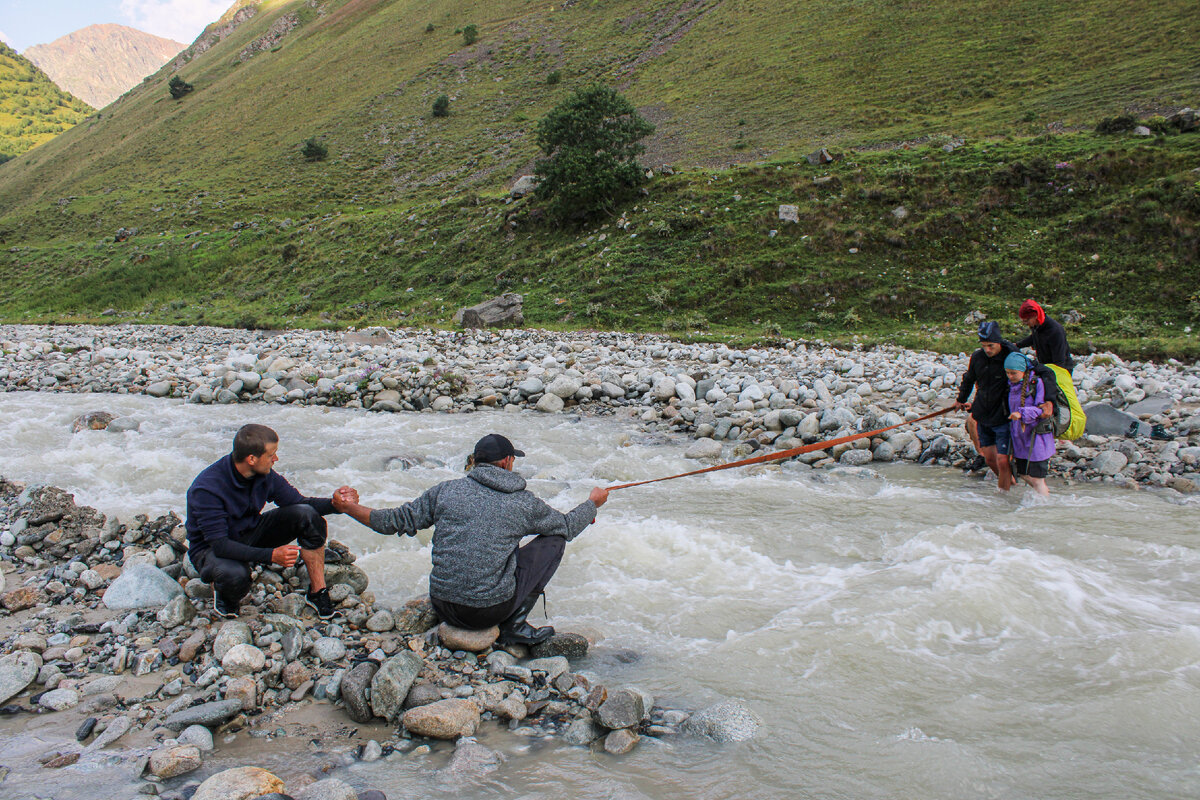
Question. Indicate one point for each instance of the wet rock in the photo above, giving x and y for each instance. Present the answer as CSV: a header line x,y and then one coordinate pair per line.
x,y
141,586
422,695
243,659
355,694
569,645
171,762
473,641
582,732
240,783
623,709
230,635
703,448
178,611
92,421
391,683
445,719
85,729
728,721
17,671
552,666
620,742
207,714
243,690
64,760
328,789
471,759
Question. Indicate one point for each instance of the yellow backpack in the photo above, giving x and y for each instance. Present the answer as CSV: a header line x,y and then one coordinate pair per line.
x,y
1069,419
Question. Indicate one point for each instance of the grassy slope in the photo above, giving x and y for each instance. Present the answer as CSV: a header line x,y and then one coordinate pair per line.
x,y
724,81
32,109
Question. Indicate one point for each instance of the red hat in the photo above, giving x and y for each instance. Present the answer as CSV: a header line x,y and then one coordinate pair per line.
x,y
1030,309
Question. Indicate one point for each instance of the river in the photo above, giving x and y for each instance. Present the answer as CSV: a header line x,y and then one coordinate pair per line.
x,y
902,633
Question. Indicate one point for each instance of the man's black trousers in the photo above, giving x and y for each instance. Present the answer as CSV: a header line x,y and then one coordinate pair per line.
x,y
231,578
536,565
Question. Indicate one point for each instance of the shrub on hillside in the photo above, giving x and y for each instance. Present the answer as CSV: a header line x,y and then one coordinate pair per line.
x,y
591,141
1118,124
554,77
312,150
441,106
178,87
470,34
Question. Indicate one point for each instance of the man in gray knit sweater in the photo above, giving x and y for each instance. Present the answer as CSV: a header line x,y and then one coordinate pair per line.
x,y
481,575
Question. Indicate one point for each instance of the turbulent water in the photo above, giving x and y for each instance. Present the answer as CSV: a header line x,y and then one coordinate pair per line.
x,y
910,634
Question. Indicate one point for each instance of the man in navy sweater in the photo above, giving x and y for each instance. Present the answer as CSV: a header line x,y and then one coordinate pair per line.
x,y
227,531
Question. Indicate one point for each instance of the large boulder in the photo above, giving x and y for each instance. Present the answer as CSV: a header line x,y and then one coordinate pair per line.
x,y
728,721
1104,420
391,683
497,312
141,586
240,783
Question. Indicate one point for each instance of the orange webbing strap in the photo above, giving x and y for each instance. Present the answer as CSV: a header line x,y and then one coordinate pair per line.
x,y
781,454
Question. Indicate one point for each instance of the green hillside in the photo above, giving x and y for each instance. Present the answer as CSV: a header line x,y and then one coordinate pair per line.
x,y
234,226
32,109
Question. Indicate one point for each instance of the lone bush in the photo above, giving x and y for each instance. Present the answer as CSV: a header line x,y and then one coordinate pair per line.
x,y
554,77
591,141
470,34
1118,124
441,106
312,150
179,87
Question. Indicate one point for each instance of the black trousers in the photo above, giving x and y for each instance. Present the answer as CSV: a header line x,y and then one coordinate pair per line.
x,y
536,564
230,578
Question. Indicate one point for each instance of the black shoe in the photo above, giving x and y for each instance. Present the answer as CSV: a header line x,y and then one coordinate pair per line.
x,y
524,633
224,608
979,463
1159,431
319,602
517,630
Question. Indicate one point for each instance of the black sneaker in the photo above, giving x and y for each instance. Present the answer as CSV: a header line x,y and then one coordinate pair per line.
x,y
224,608
319,601
979,463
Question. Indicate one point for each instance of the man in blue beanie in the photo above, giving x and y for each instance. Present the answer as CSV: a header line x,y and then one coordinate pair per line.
x,y
988,421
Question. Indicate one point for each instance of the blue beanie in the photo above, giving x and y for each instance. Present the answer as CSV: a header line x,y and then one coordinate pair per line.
x,y
1016,361
990,332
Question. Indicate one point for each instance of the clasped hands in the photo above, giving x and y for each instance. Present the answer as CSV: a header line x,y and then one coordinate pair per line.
x,y
344,497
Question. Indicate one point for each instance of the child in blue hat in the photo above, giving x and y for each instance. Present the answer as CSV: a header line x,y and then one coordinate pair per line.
x,y
1030,435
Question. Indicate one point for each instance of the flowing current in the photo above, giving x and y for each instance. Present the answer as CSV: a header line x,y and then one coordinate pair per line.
x,y
910,633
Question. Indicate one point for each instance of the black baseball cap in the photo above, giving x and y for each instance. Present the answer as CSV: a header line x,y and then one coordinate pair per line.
x,y
493,448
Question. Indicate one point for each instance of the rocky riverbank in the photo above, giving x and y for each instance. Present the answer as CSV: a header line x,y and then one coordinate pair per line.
x,y
732,401
111,648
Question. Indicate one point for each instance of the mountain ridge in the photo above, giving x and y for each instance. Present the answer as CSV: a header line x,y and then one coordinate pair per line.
x,y
99,63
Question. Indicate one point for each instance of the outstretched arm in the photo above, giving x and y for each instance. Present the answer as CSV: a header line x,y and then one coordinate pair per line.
x,y
345,501
407,519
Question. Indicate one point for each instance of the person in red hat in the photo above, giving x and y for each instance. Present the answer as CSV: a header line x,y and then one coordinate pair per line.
x,y
1046,336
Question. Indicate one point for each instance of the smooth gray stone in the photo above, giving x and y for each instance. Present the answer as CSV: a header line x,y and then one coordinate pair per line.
x,y
391,683
141,586
1151,405
1104,420
622,709
17,671
207,714
354,691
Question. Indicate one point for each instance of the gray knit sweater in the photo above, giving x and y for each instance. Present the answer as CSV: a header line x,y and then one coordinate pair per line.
x,y
479,522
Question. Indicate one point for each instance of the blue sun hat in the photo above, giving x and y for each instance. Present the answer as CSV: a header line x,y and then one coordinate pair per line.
x,y
1016,362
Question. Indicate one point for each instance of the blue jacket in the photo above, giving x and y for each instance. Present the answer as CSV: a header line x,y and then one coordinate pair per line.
x,y
222,507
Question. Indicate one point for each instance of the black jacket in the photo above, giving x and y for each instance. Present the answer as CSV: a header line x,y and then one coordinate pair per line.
x,y
1049,342
987,377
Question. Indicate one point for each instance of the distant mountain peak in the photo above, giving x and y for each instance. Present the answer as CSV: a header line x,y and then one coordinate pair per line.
x,y
101,62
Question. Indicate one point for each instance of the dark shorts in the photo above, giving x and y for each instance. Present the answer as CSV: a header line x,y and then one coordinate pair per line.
x,y
1034,469
996,436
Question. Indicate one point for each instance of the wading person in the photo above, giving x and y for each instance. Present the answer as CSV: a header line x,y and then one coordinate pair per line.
x,y
1046,336
987,423
1030,434
481,575
228,533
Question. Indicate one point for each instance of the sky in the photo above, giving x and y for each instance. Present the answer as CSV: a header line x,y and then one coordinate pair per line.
x,y
24,23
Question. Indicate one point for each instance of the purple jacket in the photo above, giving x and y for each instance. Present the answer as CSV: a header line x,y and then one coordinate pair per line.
x,y
1024,443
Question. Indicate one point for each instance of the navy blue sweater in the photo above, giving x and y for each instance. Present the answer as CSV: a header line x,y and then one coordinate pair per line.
x,y
222,507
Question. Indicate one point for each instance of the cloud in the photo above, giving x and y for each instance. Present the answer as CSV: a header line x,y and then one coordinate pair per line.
x,y
181,20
